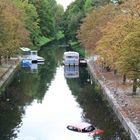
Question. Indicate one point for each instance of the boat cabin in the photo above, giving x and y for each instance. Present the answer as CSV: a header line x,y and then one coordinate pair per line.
x,y
25,52
31,55
71,58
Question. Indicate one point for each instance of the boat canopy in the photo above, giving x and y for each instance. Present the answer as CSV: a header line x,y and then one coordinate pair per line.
x,y
71,53
25,49
71,58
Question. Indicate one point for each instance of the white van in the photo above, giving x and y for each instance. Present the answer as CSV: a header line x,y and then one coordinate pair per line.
x,y
71,58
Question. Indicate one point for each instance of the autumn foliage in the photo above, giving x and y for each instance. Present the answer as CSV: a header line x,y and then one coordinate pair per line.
x,y
13,32
113,32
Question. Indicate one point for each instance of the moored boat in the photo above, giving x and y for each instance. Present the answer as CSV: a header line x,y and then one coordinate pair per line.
x,y
31,55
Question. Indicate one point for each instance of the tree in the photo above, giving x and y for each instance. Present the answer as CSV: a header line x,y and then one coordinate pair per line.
x,y
13,29
115,37
46,10
119,45
72,18
88,5
59,17
110,44
90,30
32,21
129,60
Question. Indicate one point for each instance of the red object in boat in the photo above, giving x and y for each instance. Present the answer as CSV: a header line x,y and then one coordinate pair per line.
x,y
96,132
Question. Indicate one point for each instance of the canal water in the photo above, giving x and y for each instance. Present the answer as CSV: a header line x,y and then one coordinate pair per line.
x,y
43,99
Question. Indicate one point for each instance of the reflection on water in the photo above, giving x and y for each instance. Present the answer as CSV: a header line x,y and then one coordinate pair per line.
x,y
31,67
48,120
71,71
40,105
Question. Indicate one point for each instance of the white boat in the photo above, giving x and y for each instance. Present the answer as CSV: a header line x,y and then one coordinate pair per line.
x,y
35,58
71,58
31,55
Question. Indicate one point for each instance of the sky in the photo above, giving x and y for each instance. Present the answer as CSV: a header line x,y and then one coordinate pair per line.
x,y
65,3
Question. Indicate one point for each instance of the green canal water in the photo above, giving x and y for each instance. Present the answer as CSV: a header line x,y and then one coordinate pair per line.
x,y
43,99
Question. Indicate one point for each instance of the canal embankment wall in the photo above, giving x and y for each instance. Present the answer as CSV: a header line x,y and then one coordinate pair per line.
x,y
7,76
128,125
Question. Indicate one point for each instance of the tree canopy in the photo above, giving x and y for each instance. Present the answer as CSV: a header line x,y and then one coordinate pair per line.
x,y
23,22
75,14
109,28
113,33
13,32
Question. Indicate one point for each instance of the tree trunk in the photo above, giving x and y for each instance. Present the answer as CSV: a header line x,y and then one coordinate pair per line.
x,y
124,79
115,72
134,86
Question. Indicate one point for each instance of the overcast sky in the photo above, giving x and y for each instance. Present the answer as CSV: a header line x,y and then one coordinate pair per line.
x,y
65,3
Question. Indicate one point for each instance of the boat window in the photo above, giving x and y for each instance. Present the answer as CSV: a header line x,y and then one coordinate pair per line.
x,y
26,53
34,53
72,57
72,128
89,129
69,56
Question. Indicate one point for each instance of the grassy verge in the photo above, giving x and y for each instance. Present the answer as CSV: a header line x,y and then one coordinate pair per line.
x,y
59,35
44,40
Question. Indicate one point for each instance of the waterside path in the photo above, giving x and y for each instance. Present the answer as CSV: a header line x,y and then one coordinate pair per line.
x,y
7,71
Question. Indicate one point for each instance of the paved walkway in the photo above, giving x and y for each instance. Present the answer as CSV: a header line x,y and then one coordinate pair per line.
x,y
7,68
120,96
